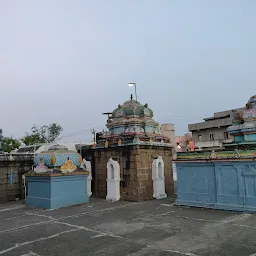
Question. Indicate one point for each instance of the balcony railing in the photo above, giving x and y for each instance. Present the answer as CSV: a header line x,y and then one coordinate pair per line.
x,y
212,143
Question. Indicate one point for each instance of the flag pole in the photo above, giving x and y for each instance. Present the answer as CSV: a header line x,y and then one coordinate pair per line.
x,y
135,91
131,85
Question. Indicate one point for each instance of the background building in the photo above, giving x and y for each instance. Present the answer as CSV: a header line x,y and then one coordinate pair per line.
x,y
212,133
183,142
1,137
167,130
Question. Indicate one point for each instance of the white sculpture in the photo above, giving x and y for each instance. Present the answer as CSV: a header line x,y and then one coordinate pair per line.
x,y
158,178
113,180
41,168
86,165
134,129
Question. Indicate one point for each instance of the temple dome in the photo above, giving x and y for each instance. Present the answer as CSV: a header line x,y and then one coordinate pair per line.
x,y
132,108
252,99
131,121
250,111
244,121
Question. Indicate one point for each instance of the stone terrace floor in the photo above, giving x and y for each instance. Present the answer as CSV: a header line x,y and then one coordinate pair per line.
x,y
150,228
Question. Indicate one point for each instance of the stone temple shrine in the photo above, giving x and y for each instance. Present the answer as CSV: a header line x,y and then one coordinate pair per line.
x,y
59,178
132,160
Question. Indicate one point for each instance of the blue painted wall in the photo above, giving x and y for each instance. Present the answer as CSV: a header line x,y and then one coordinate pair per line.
x,y
56,192
239,138
218,185
250,137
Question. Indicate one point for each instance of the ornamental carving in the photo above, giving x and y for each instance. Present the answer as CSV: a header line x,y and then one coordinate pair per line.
x,y
244,120
134,129
213,155
68,166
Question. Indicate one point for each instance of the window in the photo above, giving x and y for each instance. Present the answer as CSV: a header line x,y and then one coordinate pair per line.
x,y
225,135
199,137
13,177
211,136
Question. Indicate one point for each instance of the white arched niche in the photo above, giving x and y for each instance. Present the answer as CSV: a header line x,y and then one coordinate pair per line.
x,y
158,178
113,180
86,165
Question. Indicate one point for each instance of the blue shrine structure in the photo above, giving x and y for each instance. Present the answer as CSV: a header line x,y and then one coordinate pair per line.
x,y
223,179
57,179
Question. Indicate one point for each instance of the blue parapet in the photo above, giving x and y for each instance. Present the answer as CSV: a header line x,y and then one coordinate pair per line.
x,y
56,191
226,185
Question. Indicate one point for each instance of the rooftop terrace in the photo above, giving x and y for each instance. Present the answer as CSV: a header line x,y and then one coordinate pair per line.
x,y
123,228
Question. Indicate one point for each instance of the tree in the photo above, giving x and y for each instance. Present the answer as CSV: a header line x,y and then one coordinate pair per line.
x,y
53,132
43,134
9,144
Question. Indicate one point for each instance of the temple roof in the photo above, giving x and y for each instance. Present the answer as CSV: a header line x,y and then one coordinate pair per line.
x,y
252,99
132,108
131,122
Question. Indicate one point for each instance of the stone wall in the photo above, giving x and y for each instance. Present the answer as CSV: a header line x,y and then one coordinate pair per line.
x,y
11,172
135,170
145,157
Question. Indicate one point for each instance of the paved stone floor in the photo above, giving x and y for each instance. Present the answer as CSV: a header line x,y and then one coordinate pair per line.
x,y
123,228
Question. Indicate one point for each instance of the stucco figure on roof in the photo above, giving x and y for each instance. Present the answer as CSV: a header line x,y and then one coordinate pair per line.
x,y
244,122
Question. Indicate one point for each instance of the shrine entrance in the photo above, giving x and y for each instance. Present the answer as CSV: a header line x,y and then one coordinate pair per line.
x,y
158,178
113,180
86,165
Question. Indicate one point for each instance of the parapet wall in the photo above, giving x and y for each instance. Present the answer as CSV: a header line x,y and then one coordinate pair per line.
x,y
220,180
11,171
223,155
226,185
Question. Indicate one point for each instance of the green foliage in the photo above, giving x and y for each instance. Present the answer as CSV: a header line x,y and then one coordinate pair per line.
x,y
53,132
43,134
9,144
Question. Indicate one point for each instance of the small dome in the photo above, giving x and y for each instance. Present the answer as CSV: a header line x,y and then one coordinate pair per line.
x,y
250,111
57,147
132,108
252,99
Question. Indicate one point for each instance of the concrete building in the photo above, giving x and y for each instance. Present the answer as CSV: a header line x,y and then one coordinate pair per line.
x,y
212,133
168,130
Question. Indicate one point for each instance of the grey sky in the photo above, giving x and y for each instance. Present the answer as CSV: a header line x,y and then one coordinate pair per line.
x,y
69,60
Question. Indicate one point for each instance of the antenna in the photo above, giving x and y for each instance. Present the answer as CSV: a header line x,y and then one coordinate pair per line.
x,y
94,135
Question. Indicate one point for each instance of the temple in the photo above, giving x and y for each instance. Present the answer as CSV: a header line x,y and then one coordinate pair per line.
x,y
132,160
224,179
58,179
